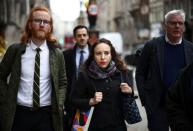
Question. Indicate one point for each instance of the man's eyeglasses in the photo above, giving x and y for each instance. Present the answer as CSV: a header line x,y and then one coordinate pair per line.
x,y
40,21
174,23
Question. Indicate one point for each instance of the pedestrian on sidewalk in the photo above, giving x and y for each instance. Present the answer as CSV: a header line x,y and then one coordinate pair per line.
x,y
100,84
33,97
74,58
160,62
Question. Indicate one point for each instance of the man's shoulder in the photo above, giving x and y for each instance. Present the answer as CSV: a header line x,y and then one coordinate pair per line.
x,y
16,46
188,42
154,42
157,40
69,51
188,46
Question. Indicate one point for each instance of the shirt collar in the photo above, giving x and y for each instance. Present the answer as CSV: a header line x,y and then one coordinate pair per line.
x,y
85,49
168,41
34,46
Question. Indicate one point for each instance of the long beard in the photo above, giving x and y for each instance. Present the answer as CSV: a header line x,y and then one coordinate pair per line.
x,y
40,34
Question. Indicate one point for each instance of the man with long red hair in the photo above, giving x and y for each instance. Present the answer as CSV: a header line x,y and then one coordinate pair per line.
x,y
32,99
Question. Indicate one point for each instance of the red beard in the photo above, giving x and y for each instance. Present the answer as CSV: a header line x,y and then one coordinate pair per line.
x,y
39,34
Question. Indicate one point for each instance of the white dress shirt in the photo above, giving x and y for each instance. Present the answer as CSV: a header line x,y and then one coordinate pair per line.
x,y
85,54
168,41
25,91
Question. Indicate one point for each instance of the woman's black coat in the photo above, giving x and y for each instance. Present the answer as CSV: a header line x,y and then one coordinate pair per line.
x,y
109,111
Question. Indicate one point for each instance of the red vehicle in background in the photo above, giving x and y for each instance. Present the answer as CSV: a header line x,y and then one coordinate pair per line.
x,y
68,42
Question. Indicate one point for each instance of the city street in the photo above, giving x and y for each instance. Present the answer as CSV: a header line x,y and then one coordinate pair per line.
x,y
154,36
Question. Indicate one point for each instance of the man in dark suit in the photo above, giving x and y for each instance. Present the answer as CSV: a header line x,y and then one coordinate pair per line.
x,y
33,79
72,58
159,64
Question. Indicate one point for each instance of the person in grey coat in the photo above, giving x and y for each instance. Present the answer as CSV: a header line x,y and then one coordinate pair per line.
x,y
31,99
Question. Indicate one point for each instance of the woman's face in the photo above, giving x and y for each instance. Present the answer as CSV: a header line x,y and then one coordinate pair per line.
x,y
102,55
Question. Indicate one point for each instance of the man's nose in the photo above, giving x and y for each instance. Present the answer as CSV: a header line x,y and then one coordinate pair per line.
x,y
42,23
177,24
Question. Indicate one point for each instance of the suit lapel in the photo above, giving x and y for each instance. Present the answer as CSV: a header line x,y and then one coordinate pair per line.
x,y
17,60
188,52
74,62
52,61
160,54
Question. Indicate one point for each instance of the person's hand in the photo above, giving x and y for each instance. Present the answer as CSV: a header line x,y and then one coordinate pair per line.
x,y
97,98
125,88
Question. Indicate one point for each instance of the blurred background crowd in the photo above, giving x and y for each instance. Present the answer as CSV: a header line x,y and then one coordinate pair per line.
x,y
127,22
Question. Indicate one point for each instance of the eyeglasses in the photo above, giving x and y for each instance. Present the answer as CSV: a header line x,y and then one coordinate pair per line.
x,y
174,23
40,21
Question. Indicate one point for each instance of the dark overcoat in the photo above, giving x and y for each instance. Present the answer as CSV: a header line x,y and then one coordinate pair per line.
x,y
149,72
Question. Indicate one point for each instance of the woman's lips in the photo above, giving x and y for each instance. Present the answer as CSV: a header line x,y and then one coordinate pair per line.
x,y
102,63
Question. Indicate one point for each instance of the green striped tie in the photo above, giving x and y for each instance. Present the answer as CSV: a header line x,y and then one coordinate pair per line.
x,y
36,82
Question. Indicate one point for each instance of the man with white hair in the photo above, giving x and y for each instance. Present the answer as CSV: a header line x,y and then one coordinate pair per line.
x,y
159,64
